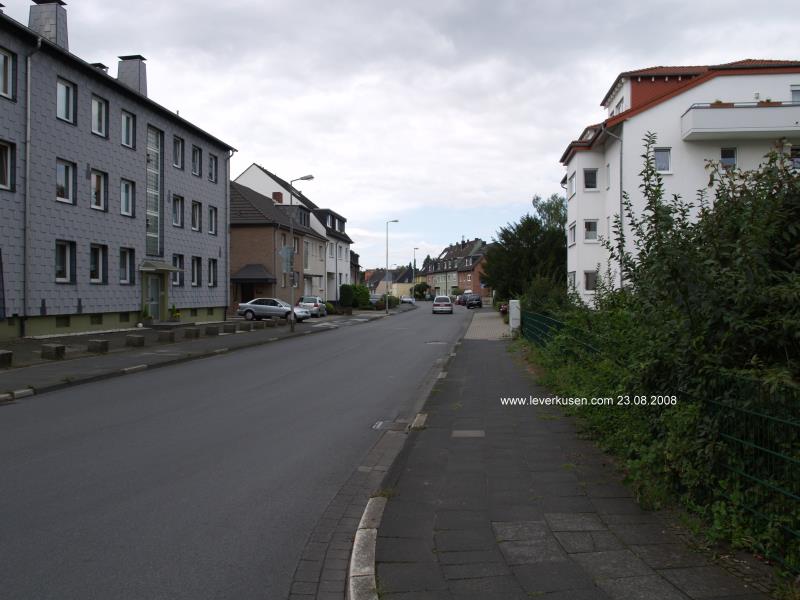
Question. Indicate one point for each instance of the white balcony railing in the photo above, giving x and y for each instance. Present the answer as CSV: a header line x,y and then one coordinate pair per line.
x,y
749,120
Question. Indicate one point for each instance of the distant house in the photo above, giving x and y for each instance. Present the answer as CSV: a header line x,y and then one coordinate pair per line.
x,y
355,269
402,282
458,267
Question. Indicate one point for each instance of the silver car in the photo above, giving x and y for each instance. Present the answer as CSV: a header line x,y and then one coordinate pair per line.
x,y
270,308
314,304
442,304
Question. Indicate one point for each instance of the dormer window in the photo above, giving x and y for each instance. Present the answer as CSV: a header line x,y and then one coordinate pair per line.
x,y
330,221
618,107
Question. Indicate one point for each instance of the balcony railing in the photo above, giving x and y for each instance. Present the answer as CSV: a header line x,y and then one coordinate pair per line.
x,y
740,120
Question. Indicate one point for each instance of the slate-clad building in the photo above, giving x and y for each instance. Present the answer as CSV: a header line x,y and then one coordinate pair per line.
x,y
111,204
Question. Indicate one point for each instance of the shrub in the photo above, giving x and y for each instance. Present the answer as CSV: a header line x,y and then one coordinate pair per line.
x,y
330,309
394,301
361,297
346,295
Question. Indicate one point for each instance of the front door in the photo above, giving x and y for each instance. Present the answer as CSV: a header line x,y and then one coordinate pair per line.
x,y
154,296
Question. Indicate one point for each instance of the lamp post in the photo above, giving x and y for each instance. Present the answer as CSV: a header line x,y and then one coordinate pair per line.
x,y
414,276
387,262
291,236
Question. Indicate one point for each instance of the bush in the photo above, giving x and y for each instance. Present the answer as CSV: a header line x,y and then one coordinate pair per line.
x,y
394,301
330,309
361,297
346,295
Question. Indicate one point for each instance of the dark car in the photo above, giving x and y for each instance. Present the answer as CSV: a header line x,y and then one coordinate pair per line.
x,y
473,301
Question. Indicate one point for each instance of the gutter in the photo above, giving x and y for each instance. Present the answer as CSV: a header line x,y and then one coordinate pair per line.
x,y
26,218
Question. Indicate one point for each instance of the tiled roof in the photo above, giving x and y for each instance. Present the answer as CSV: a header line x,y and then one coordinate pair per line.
x,y
248,207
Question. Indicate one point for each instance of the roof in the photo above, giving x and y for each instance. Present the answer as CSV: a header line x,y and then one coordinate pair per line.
x,y
290,188
253,273
108,79
248,207
331,231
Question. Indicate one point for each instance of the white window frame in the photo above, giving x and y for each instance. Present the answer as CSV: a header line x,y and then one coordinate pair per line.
x,y
197,165
177,276
125,265
571,186
102,260
197,216
212,272
131,197
213,163
596,187
735,158
586,237
330,246
619,106
68,249
180,214
177,142
69,113
69,171
128,118
795,91
668,171
197,269
6,165
212,220
99,116
103,180
571,233
7,74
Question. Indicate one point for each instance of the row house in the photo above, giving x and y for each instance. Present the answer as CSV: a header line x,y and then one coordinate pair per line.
x,y
458,267
326,223
112,205
259,230
733,114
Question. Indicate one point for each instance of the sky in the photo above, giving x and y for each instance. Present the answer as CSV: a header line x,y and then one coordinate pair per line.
x,y
448,115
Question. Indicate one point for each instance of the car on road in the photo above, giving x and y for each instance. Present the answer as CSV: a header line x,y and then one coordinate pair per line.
x,y
442,304
270,308
314,304
406,300
473,301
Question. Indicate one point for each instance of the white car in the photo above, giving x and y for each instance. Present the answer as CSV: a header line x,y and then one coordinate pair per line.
x,y
406,300
442,304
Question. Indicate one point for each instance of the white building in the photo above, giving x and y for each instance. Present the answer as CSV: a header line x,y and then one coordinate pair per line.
x,y
329,264
733,113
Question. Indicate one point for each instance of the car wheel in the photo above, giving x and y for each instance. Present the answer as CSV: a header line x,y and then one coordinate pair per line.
x,y
249,315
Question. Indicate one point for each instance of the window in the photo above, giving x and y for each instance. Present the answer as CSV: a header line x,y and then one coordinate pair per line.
x,y
283,240
177,276
99,186
330,246
212,220
283,280
197,216
339,251
571,186
296,279
65,101
618,107
6,166
212,168
663,159
7,74
212,272
177,152
127,197
99,116
126,268
306,252
727,158
98,264
177,211
590,280
590,230
590,179
796,94
608,175
197,161
321,251
128,127
296,245
571,279
571,235
65,181
197,268
794,154
65,261
330,221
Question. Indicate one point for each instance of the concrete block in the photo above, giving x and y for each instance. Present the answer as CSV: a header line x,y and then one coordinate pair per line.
x,y
229,327
135,341
53,351
259,324
191,333
282,322
247,326
212,329
98,346
166,336
6,357
270,323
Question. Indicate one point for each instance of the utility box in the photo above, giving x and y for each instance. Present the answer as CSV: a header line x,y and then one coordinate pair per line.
x,y
514,315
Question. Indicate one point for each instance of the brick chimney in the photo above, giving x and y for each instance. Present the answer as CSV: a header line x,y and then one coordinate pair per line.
x,y
133,72
48,18
277,197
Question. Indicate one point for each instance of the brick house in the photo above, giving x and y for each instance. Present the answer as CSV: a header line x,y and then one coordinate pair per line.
x,y
458,267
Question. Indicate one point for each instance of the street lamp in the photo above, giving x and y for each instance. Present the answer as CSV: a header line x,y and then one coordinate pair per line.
x,y
291,236
387,262
414,276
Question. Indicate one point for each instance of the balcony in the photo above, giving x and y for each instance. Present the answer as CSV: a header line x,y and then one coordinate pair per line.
x,y
741,120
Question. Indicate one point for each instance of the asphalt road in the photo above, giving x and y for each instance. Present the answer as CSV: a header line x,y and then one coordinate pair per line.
x,y
201,480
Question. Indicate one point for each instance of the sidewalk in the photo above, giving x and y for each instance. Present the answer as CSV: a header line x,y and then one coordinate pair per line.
x,y
80,366
501,502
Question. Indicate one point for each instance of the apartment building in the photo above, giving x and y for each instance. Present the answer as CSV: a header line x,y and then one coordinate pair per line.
x,y
733,114
458,267
113,206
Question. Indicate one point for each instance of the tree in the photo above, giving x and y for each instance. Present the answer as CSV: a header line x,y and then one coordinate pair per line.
x,y
533,249
420,290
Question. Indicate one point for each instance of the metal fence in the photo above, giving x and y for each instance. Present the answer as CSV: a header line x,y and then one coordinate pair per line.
x,y
757,441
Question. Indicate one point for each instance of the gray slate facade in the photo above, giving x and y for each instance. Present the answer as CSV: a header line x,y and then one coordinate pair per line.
x,y
49,220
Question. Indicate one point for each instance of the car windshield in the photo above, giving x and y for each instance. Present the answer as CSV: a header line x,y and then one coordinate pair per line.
x,y
442,299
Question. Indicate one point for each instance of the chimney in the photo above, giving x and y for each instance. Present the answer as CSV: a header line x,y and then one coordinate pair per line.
x,y
100,66
48,18
277,197
133,72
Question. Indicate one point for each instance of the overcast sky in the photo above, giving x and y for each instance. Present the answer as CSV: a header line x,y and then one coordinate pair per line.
x,y
448,115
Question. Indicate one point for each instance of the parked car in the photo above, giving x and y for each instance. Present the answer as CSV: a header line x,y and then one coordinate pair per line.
x,y
473,301
375,298
442,304
406,300
314,304
269,308
461,299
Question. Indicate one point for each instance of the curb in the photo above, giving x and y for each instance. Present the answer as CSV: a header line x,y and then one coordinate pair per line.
x,y
11,396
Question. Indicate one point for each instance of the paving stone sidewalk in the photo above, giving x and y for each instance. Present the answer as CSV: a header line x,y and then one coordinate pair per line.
x,y
502,502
